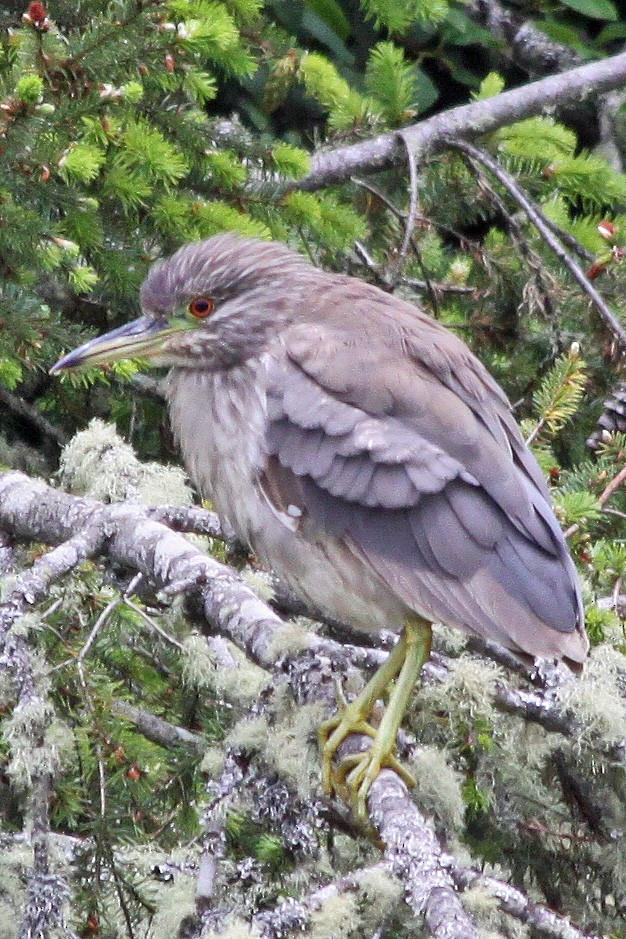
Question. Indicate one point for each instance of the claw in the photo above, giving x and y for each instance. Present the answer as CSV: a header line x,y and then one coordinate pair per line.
x,y
355,773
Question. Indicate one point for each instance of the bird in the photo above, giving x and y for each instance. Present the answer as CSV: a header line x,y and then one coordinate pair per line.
x,y
365,455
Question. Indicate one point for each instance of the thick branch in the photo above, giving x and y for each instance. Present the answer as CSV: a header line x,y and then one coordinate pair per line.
x,y
466,122
413,852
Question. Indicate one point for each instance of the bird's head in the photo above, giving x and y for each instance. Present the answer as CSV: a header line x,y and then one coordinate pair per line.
x,y
211,305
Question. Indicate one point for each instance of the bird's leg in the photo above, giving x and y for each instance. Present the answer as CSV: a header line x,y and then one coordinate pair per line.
x,y
359,771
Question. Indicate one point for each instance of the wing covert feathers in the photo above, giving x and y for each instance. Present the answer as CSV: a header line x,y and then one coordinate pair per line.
x,y
398,441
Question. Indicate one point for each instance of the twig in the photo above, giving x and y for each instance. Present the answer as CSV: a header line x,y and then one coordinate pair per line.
x,y
413,205
538,220
158,730
33,417
189,519
517,236
612,487
294,915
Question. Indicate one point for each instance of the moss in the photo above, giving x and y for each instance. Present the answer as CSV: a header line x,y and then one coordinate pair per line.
x,y
202,669
97,463
438,789
290,640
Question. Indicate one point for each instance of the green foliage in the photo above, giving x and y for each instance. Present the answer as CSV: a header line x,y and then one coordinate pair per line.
x,y
392,82
398,15
557,399
346,108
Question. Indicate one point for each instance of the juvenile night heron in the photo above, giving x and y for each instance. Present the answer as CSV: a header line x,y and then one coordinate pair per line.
x,y
364,454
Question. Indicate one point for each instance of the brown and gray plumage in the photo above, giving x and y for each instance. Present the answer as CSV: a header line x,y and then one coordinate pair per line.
x,y
365,455
356,445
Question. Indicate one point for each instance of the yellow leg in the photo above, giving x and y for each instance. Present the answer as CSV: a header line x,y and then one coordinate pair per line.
x,y
357,772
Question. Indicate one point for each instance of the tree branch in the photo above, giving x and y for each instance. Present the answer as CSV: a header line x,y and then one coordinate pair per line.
x,y
466,122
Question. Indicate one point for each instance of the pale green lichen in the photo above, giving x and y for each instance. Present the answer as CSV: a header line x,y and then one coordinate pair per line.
x,y
336,919
249,735
291,748
260,581
97,463
465,695
202,669
448,640
234,928
290,639
592,697
492,922
212,762
438,788
379,895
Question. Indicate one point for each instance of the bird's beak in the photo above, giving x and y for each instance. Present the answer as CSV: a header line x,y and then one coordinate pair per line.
x,y
141,339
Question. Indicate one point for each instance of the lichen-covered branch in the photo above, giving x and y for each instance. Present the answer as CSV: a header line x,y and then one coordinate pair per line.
x,y
129,535
546,922
414,854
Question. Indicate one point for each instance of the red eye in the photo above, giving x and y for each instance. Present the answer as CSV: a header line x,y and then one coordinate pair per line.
x,y
201,307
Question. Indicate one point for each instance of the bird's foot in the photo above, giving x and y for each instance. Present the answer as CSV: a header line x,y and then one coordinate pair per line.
x,y
356,773
350,719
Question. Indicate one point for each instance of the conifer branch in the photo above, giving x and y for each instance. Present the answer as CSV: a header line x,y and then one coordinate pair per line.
x,y
466,122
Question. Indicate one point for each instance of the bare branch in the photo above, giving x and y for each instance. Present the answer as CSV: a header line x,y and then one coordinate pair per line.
x,y
157,730
33,417
529,47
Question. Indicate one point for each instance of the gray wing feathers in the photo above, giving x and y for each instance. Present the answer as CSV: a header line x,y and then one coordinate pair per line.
x,y
430,483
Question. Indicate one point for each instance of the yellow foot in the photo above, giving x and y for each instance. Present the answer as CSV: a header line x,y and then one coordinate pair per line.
x,y
355,773
332,733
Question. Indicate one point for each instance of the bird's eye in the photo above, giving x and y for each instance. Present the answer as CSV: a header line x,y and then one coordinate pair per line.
x,y
201,307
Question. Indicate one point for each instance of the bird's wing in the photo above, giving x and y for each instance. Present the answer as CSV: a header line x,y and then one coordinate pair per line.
x,y
398,442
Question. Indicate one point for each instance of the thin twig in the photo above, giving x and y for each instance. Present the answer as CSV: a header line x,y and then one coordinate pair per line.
x,y
27,412
538,220
604,496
